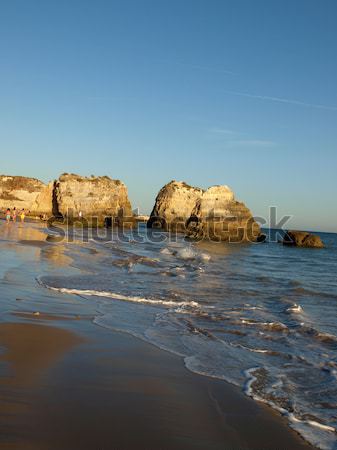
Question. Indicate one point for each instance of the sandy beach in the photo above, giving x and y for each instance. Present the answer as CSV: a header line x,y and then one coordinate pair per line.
x,y
66,383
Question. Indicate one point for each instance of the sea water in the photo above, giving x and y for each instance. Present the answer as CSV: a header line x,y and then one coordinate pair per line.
x,y
260,316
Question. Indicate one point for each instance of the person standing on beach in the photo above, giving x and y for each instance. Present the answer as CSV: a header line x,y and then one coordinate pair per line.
x,y
8,215
22,216
14,215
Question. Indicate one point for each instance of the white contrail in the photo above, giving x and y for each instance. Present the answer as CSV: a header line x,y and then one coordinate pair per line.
x,y
282,100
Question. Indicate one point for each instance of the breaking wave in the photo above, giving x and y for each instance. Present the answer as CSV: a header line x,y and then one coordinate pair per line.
x,y
116,296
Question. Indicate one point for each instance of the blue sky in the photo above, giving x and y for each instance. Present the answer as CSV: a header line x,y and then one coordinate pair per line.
x,y
234,92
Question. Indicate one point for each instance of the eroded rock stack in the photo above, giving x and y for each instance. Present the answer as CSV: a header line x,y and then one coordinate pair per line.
x,y
92,196
219,217
212,214
173,206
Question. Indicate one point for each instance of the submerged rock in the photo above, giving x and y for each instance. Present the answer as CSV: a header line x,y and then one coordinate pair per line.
x,y
212,214
302,239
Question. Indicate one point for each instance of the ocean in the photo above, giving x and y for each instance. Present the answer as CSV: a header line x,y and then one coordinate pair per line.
x,y
260,316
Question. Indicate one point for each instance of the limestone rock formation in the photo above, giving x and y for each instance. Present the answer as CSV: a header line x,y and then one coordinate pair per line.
x,y
219,217
43,203
67,196
21,193
302,239
173,206
211,214
93,196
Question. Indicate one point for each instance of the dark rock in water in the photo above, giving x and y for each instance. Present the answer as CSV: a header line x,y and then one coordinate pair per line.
x,y
262,238
302,239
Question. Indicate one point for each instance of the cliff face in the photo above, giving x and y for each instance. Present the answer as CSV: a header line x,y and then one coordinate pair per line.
x,y
174,205
43,203
93,196
219,217
20,193
70,194
211,214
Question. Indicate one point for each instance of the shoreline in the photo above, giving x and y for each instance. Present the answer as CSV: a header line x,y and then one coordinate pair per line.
x,y
90,387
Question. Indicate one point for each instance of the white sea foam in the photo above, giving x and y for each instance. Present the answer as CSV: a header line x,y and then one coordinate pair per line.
x,y
279,326
187,253
312,423
305,427
295,308
254,350
165,251
116,296
249,373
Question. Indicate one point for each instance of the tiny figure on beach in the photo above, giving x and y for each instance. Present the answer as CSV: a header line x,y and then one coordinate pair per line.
x,y
8,215
22,216
80,215
14,215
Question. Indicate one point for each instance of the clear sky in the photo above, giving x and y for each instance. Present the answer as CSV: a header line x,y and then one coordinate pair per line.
x,y
235,92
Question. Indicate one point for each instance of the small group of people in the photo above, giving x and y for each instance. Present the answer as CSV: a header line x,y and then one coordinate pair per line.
x,y
13,215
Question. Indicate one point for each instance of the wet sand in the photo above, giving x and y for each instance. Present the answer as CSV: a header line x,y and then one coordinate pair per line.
x,y
99,389
28,352
68,384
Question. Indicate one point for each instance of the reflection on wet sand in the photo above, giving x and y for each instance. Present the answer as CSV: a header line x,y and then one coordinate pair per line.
x,y
32,238
19,231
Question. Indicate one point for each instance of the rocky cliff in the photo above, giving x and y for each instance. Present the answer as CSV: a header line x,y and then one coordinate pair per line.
x,y
174,205
67,196
212,214
94,196
43,203
20,193
218,216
